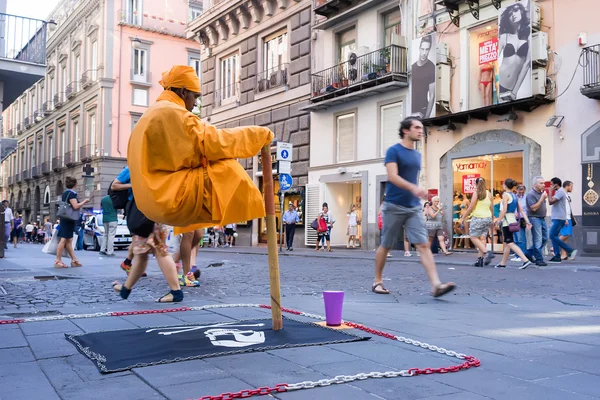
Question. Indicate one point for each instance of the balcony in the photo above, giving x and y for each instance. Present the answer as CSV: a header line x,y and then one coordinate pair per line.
x,y
57,163
72,89
22,54
59,98
144,79
19,128
11,180
46,168
377,72
18,178
48,107
591,72
89,77
336,11
85,153
27,122
36,171
272,78
9,133
70,159
26,174
38,116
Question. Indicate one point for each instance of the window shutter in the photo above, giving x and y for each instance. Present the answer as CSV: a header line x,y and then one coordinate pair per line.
x,y
311,211
345,138
391,115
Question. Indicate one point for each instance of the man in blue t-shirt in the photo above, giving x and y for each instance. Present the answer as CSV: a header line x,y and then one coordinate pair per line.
x,y
123,182
402,207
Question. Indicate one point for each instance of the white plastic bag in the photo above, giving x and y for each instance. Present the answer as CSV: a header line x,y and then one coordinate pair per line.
x,y
50,247
173,242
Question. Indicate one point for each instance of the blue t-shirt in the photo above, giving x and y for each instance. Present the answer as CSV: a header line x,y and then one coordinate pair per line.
x,y
125,177
409,165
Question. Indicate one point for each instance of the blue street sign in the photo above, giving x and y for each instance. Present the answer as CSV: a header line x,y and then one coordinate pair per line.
x,y
285,181
284,154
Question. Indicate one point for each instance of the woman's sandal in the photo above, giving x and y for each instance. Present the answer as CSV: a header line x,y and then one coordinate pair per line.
x,y
59,264
76,263
176,297
121,289
381,290
443,288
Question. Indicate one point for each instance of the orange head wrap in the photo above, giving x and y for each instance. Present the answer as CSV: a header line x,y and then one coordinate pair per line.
x,y
181,76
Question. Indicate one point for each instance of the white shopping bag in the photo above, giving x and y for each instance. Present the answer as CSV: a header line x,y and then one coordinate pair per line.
x,y
50,247
173,242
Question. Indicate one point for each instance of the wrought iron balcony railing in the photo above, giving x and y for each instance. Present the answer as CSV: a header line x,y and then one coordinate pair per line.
x,y
22,39
11,180
27,122
36,171
70,159
57,163
380,66
18,178
85,153
90,77
46,168
227,95
26,174
9,132
38,115
19,128
72,89
272,78
48,107
590,59
59,98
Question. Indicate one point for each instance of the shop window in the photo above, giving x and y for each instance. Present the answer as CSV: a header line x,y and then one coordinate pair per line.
x,y
495,169
345,138
391,115
391,28
483,65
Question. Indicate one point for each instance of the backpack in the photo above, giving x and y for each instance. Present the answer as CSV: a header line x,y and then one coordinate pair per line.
x,y
119,197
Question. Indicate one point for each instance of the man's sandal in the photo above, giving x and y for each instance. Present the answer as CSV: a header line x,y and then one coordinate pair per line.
x,y
176,297
381,289
443,288
121,289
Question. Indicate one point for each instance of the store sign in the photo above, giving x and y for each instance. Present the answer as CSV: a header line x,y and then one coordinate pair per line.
x,y
470,166
469,186
488,51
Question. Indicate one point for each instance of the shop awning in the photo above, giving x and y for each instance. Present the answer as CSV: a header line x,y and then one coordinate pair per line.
x,y
529,104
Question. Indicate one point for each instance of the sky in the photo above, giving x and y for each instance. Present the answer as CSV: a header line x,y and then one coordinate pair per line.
x,y
39,9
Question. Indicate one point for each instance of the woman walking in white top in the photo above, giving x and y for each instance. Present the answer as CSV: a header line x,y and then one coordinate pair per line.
x,y
352,226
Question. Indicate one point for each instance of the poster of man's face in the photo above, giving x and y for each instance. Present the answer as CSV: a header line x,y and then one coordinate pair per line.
x,y
514,51
423,81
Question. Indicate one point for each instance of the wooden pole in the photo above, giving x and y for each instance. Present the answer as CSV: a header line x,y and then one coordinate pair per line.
x,y
267,171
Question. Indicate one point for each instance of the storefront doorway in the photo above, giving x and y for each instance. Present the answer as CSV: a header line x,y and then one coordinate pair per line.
x,y
340,196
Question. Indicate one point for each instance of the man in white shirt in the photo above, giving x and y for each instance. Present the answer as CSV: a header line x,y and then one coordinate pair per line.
x,y
9,220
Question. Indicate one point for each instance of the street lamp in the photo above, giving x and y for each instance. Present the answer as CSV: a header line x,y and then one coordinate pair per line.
x,y
52,25
136,43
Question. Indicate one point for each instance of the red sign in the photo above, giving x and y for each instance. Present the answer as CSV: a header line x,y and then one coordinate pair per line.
x,y
431,193
468,183
488,51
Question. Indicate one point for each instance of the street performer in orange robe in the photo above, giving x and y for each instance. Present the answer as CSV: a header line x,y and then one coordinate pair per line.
x,y
184,172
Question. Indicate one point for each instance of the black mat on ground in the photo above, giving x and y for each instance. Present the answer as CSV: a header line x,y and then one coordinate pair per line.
x,y
121,350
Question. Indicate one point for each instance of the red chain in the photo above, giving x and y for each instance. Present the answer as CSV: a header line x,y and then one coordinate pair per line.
x,y
244,394
11,321
161,311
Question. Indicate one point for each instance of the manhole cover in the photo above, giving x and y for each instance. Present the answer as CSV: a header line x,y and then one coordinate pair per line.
x,y
52,277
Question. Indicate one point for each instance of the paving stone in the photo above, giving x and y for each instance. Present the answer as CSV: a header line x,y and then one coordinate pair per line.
x,y
313,355
50,346
462,395
243,313
528,370
197,389
411,388
127,387
45,327
12,338
338,392
87,371
15,355
103,324
24,381
182,372
574,362
59,372
149,320
581,383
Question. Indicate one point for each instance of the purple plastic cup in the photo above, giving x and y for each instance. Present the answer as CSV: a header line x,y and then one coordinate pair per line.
x,y
333,307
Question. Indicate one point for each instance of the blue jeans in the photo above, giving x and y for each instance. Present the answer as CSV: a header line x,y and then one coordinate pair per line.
x,y
539,233
558,244
520,239
322,240
79,244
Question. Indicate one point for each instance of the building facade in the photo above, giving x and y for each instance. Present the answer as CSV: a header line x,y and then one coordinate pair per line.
x,y
103,65
256,62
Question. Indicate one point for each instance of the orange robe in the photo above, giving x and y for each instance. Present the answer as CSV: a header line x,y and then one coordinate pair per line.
x,y
184,172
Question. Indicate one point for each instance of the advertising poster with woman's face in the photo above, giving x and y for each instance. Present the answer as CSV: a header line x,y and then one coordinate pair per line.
x,y
514,51
423,70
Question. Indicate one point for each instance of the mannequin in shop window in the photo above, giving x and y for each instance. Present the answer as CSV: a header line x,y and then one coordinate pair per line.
x,y
486,82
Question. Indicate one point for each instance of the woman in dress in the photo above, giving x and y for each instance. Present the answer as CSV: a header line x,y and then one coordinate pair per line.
x,y
433,216
66,227
352,226
18,229
513,52
480,210
510,206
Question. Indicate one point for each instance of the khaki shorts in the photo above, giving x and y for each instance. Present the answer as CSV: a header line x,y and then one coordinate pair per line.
x,y
395,217
155,244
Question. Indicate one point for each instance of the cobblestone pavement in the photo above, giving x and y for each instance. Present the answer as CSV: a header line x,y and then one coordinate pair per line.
x,y
535,331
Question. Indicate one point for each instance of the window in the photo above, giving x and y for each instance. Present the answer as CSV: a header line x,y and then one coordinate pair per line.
x,y
63,78
63,143
346,43
77,73
76,141
94,60
391,115
42,97
391,28
345,138
194,10
52,87
229,67
275,52
50,148
134,12
134,120
33,105
92,133
31,158
24,108
140,97
195,63
39,152
139,65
